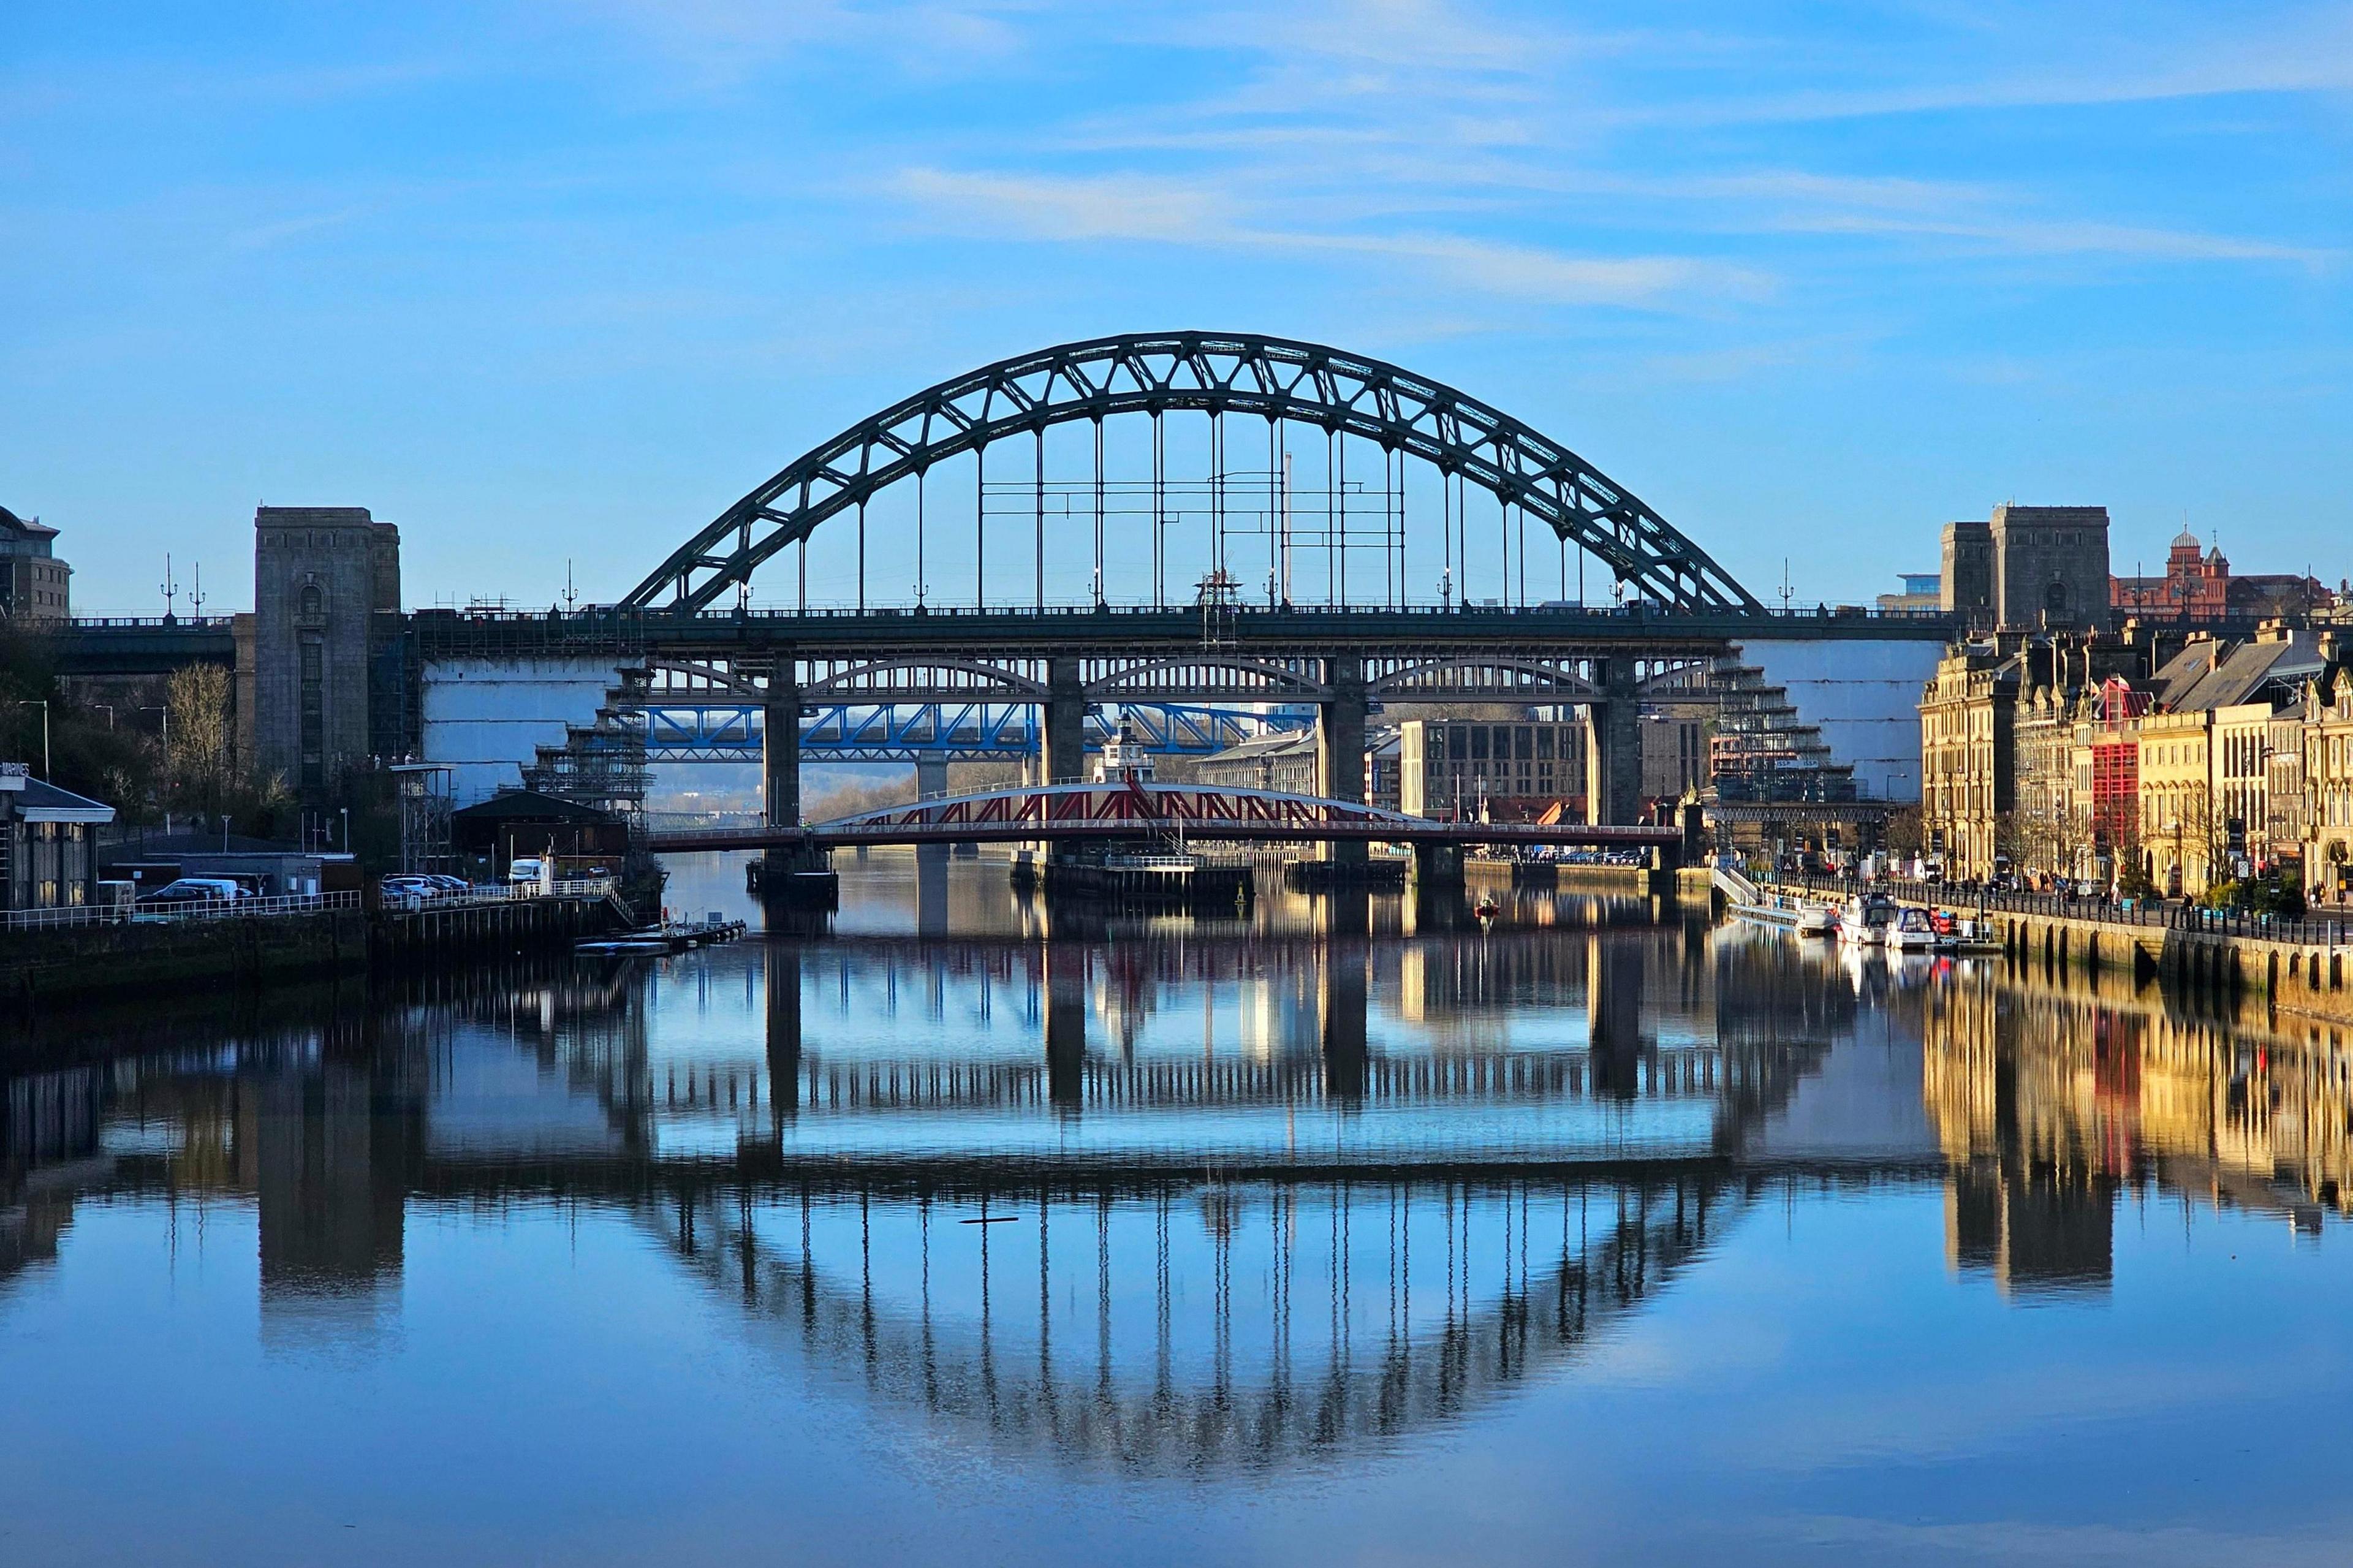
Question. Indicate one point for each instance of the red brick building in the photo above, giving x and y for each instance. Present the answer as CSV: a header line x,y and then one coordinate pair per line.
x,y
2198,589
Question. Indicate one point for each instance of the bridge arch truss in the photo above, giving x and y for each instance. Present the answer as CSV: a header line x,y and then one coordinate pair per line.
x,y
1472,444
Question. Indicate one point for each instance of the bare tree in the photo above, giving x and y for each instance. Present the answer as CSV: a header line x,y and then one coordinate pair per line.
x,y
1904,834
196,748
201,773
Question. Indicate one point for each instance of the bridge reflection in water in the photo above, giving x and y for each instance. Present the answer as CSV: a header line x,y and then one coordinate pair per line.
x,y
1207,1202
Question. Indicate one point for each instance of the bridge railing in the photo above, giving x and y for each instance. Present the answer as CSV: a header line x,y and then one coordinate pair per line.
x,y
667,822
601,617
200,623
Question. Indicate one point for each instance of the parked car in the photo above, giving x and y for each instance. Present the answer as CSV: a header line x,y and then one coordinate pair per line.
x,y
447,883
194,890
408,887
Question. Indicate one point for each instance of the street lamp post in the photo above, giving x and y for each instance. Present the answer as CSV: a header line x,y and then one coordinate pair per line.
x,y
41,703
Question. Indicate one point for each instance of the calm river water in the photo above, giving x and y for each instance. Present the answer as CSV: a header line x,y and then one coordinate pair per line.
x,y
952,1232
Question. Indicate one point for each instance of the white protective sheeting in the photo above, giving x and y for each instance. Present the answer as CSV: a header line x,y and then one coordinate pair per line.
x,y
486,717
1865,696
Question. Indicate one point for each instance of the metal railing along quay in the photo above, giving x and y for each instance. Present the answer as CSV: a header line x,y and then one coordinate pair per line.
x,y
2144,913
195,909
501,893
76,915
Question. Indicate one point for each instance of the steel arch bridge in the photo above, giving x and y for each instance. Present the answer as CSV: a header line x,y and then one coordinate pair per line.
x,y
1280,380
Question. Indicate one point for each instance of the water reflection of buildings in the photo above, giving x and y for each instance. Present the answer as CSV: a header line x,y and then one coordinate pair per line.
x,y
2049,1103
1221,1232
1137,1308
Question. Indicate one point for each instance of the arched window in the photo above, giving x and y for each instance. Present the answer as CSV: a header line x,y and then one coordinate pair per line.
x,y
313,603
2054,598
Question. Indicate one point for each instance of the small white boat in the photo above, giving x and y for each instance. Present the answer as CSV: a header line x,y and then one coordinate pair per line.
x,y
1791,913
1865,920
621,947
1913,931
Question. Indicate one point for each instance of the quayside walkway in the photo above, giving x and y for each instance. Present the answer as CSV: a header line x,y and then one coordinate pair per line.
x,y
2303,966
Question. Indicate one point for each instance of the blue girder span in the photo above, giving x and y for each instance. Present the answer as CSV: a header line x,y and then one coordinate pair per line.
x,y
676,733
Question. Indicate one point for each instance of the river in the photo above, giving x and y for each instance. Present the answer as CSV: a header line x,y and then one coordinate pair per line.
x,y
955,1230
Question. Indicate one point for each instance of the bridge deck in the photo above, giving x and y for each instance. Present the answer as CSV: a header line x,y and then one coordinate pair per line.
x,y
1110,628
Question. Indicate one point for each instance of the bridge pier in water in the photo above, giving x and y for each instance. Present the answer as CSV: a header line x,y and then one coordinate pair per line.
x,y
798,875
1613,747
1340,748
931,859
1437,868
780,750
1063,730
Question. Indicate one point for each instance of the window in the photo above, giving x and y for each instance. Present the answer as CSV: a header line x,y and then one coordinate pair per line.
x,y
313,601
311,722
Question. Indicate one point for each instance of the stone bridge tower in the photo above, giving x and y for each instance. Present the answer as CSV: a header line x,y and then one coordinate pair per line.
x,y
323,579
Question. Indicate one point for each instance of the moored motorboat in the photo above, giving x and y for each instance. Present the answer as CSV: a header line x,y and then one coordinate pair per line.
x,y
1865,920
1790,912
1912,931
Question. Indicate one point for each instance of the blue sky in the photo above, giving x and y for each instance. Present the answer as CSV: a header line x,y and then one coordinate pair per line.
x,y
540,280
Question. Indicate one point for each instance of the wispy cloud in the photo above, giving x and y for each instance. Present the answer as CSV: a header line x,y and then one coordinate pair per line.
x,y
2027,235
1172,211
2312,53
1412,107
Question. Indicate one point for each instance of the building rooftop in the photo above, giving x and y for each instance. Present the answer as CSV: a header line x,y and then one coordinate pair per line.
x,y
36,800
155,843
24,536
1278,743
2242,673
530,805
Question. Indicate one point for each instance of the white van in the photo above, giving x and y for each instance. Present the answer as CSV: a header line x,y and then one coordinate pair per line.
x,y
525,870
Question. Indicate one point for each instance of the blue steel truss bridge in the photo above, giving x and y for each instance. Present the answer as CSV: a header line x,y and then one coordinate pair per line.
x,y
944,732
